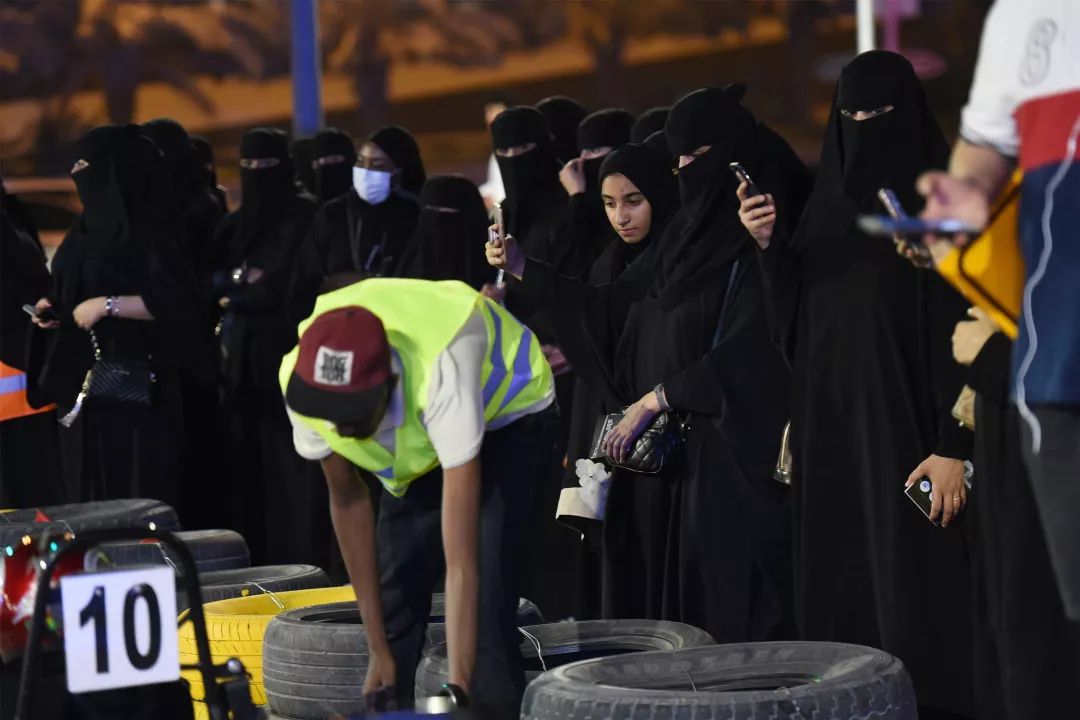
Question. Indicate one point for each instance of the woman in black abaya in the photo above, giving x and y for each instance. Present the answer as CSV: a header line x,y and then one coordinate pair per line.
x,y
367,230
276,510
207,170
333,158
650,121
868,336
449,239
119,273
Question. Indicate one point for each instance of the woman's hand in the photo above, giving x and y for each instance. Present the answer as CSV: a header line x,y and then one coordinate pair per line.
x,y
381,672
572,177
42,305
253,275
556,359
504,254
635,420
970,336
223,303
949,494
758,215
89,312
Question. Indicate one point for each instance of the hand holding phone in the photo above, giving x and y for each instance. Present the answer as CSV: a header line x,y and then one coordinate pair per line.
x,y
744,177
42,314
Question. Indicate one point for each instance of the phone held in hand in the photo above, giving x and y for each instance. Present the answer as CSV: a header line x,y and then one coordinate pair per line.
x,y
920,494
46,315
906,229
497,218
744,176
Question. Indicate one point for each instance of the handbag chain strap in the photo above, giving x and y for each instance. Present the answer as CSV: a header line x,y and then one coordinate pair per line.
x,y
95,344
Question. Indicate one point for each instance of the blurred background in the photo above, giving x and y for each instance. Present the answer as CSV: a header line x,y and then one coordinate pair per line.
x,y
220,67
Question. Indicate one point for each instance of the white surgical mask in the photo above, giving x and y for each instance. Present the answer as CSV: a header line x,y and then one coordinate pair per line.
x,y
373,186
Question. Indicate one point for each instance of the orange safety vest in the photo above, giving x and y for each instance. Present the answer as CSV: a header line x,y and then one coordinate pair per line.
x,y
13,402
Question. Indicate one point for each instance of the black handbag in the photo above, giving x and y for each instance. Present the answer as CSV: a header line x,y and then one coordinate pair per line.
x,y
118,382
651,450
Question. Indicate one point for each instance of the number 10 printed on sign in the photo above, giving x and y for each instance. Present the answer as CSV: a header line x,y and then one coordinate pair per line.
x,y
120,629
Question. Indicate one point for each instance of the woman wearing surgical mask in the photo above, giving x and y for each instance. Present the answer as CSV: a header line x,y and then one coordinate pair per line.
x,y
260,241
868,337
367,230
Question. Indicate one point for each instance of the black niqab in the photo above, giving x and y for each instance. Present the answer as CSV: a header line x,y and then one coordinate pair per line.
x,y
563,115
173,141
266,186
400,145
890,150
710,235
532,178
452,230
657,142
650,121
333,158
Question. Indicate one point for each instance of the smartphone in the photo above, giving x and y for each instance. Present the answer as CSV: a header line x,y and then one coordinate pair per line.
x,y
919,493
884,226
47,315
497,218
743,176
920,254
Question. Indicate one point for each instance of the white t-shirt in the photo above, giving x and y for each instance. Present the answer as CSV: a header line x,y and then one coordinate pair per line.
x,y
454,414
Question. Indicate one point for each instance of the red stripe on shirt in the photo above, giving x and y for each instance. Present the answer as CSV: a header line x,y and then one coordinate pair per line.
x,y
1044,124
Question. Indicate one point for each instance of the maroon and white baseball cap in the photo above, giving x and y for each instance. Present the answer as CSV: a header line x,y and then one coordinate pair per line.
x,y
343,368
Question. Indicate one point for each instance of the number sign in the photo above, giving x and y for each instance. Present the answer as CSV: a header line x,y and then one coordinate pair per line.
x,y
120,628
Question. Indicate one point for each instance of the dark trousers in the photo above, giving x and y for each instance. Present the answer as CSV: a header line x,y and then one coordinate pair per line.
x,y
1055,478
412,565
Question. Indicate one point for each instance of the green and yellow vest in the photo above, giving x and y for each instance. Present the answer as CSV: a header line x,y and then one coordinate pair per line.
x,y
421,319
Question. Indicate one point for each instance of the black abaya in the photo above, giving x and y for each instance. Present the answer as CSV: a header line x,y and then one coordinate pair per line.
x,y
124,243
868,336
279,511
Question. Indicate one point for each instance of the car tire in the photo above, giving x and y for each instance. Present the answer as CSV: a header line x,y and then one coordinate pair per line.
x,y
212,550
564,642
750,681
76,517
236,627
315,659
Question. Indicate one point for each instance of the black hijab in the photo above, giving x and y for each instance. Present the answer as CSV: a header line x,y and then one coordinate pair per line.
x,y
532,178
653,178
175,144
563,115
650,121
400,145
333,158
657,142
450,235
859,158
266,184
303,154
204,156
710,235
604,128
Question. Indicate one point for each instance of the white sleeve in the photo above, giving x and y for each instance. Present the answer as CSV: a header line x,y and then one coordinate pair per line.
x,y
987,119
309,444
454,416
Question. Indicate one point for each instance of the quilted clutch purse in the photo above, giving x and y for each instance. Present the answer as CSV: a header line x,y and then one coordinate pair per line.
x,y
114,382
651,450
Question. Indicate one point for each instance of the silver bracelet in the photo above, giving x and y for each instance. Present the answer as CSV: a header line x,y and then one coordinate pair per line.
x,y
112,306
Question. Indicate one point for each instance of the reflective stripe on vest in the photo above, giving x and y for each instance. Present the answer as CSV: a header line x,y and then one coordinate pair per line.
x,y
421,319
13,402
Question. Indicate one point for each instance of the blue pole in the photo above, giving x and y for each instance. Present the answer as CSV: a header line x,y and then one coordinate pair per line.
x,y
306,69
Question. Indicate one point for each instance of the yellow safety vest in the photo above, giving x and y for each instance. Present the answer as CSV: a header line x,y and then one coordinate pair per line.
x,y
421,319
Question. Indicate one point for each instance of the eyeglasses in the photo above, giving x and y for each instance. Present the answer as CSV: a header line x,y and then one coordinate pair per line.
x,y
859,115
259,163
